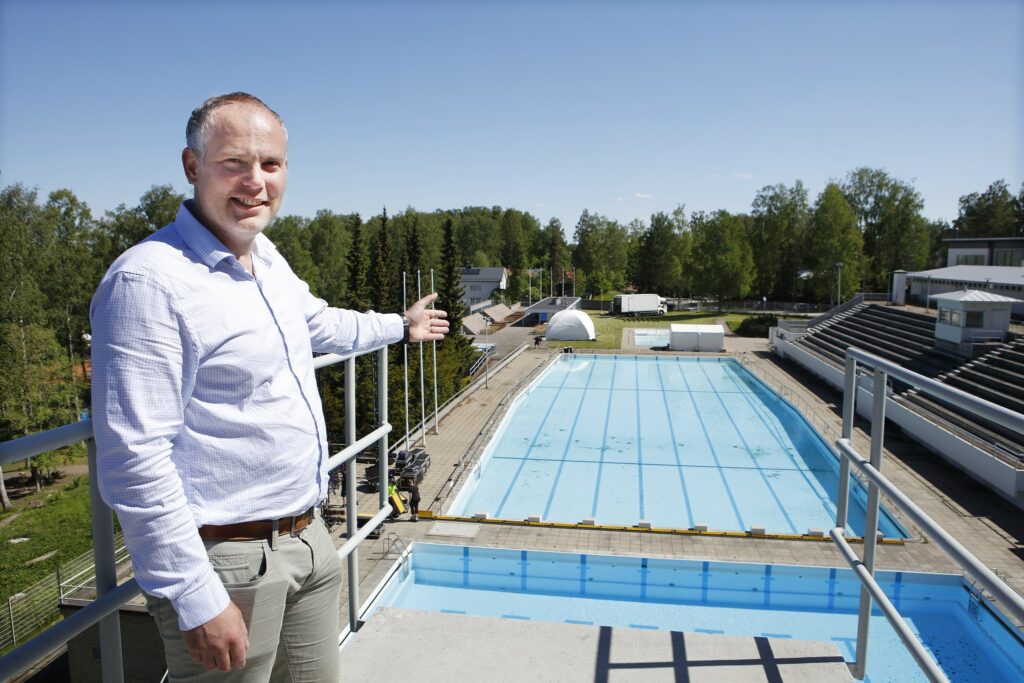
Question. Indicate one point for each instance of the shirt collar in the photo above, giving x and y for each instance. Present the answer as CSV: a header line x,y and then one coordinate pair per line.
x,y
210,250
201,241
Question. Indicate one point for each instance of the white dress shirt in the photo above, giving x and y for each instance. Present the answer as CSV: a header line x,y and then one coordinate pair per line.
x,y
205,404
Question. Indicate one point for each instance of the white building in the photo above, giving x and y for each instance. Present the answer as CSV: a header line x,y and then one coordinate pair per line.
x,y
478,283
917,288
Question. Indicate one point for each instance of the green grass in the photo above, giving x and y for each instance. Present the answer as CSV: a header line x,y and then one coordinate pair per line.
x,y
63,523
609,328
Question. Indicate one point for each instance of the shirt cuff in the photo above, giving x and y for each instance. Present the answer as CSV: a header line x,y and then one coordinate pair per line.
x,y
394,330
203,601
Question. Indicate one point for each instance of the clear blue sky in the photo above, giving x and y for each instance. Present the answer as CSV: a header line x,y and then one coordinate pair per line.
x,y
623,108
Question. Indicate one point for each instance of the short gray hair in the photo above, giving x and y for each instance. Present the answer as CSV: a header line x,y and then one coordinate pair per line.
x,y
199,122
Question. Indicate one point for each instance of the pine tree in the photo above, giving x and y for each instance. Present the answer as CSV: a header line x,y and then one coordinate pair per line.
x,y
384,268
357,294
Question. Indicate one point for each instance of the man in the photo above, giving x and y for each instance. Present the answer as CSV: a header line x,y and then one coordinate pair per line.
x,y
209,428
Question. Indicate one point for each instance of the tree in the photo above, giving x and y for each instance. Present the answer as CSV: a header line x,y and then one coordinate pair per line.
x,y
888,213
358,297
659,267
557,252
992,213
833,238
513,253
70,278
384,268
456,352
723,262
779,225
124,227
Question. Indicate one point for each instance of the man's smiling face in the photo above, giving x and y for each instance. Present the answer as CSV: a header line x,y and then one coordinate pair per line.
x,y
241,177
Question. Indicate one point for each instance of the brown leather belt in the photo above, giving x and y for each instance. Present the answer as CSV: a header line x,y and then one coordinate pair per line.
x,y
254,531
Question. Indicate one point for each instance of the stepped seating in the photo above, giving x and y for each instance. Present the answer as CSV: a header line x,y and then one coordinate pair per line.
x,y
908,339
893,334
998,376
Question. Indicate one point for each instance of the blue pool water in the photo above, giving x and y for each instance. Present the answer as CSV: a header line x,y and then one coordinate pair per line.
x,y
968,639
651,337
675,441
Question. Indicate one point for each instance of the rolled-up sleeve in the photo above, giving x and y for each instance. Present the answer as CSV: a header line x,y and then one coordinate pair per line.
x,y
144,361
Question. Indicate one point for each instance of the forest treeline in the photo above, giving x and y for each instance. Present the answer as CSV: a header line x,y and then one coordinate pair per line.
x,y
54,251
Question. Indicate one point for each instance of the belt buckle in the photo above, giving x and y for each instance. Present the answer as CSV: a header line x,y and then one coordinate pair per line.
x,y
274,527
294,531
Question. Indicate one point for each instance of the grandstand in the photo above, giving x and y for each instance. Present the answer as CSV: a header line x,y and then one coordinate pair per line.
x,y
985,450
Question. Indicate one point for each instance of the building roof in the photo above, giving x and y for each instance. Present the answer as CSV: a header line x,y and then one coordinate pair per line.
x,y
983,239
997,275
973,295
553,304
482,274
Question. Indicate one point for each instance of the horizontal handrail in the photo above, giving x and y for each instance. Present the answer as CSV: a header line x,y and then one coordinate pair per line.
x,y
990,411
346,549
106,603
43,442
917,649
1012,602
349,452
63,631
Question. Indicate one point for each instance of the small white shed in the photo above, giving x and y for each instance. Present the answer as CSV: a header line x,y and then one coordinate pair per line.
x,y
571,325
697,338
972,315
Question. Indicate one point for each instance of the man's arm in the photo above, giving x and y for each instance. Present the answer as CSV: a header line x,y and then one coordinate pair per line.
x,y
143,361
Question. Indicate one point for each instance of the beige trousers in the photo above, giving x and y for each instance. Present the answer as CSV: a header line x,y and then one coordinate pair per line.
x,y
289,597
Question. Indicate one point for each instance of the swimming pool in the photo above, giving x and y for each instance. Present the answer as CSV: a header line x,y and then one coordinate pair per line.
x,y
674,441
970,641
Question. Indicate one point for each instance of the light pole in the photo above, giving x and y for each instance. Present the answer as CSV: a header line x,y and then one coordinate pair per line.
x,y
839,283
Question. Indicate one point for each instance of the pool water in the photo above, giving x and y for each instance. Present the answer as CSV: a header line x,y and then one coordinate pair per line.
x,y
674,441
969,640
651,337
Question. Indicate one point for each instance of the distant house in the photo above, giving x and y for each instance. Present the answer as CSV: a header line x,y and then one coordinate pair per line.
x,y
478,283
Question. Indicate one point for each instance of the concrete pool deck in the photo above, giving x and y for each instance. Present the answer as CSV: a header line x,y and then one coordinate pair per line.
x,y
431,646
988,526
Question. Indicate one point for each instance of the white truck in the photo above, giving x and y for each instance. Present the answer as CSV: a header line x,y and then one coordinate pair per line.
x,y
639,304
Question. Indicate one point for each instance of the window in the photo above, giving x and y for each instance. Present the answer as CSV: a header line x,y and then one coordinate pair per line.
x,y
944,315
975,319
956,318
970,259
1007,257
474,288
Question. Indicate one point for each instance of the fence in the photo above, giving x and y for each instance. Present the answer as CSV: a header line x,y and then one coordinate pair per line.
x,y
29,611
104,610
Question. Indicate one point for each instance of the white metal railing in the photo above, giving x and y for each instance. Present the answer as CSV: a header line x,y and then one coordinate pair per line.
x,y
871,470
110,596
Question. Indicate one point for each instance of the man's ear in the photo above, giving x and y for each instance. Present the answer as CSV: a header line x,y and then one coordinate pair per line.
x,y
191,165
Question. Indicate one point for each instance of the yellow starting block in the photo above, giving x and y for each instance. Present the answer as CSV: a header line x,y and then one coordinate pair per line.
x,y
397,503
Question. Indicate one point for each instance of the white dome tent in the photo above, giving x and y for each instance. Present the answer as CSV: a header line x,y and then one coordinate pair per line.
x,y
571,325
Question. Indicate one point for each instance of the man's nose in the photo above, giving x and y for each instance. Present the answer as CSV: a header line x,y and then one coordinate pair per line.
x,y
253,176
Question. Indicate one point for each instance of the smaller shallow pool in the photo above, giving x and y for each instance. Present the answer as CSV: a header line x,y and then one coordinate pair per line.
x,y
970,641
650,337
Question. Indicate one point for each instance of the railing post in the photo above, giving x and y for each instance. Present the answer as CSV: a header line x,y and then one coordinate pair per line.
x,y
10,612
871,522
351,514
106,574
849,413
382,412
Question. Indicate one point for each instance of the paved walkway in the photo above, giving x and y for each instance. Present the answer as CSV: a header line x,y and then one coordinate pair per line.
x,y
988,526
431,646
